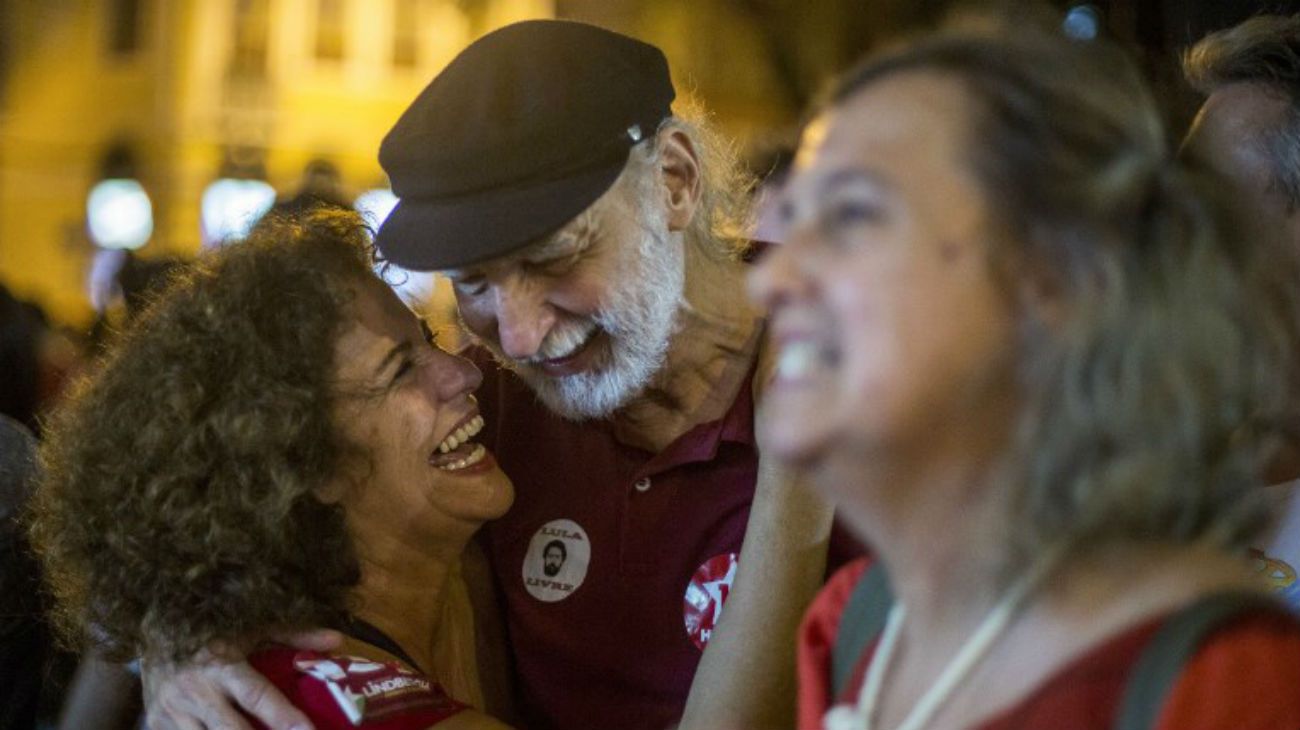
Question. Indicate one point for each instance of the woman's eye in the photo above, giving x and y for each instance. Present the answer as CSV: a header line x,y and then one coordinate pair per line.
x,y
840,222
852,213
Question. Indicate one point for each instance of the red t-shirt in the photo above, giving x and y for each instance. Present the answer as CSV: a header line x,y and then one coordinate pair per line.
x,y
1245,676
341,692
614,563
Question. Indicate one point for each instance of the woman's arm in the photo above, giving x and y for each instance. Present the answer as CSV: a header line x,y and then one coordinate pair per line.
x,y
746,678
103,694
211,691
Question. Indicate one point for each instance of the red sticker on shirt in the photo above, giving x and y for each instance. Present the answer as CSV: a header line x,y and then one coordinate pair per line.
x,y
706,594
367,691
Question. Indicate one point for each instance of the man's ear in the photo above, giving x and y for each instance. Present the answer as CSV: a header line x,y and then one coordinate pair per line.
x,y
679,163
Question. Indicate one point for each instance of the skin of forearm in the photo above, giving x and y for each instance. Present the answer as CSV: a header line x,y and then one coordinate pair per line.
x,y
746,677
103,695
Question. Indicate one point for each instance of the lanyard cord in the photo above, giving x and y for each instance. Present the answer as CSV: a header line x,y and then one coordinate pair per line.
x,y
863,717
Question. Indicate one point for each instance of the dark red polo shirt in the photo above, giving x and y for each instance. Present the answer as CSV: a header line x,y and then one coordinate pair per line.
x,y
641,552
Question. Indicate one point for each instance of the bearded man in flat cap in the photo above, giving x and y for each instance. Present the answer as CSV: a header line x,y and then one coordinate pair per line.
x,y
595,244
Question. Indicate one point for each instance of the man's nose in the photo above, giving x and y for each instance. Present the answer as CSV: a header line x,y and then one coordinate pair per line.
x,y
523,318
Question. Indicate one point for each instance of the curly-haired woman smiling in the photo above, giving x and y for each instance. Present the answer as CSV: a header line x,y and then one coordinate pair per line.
x,y
276,445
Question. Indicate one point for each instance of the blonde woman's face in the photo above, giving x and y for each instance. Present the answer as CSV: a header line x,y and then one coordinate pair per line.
x,y
894,340
403,401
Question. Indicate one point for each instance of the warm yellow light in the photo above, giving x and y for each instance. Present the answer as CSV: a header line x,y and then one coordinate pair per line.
x,y
374,205
230,208
119,214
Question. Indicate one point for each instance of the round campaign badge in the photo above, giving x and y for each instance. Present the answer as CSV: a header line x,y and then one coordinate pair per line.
x,y
557,560
706,594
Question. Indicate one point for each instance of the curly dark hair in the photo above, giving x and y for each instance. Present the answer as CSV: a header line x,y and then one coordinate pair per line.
x,y
177,503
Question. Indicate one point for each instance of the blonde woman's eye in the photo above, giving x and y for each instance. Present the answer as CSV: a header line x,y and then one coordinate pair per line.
x,y
839,222
852,213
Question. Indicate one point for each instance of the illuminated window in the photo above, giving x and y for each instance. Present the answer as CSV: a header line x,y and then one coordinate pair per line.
x,y
252,26
123,26
119,214
230,208
406,33
416,288
374,205
330,28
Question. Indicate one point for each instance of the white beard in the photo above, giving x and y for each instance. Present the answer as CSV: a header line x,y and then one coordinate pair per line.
x,y
638,321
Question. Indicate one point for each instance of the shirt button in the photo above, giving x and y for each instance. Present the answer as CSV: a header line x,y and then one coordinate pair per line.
x,y
642,484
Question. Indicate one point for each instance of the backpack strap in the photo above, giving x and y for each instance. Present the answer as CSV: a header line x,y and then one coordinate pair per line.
x,y
1162,661
861,622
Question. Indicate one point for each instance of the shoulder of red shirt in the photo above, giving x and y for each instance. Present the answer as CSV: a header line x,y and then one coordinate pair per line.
x,y
340,692
1245,675
821,623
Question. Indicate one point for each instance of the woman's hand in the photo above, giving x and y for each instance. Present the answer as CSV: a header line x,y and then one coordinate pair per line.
x,y
206,692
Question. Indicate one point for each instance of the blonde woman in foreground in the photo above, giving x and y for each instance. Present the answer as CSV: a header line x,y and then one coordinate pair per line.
x,y
1019,346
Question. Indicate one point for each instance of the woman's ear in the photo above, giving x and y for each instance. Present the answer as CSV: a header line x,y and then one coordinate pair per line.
x,y
679,165
332,492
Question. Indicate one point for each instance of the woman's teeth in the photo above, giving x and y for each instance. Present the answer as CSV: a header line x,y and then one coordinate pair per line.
x,y
473,458
797,360
461,435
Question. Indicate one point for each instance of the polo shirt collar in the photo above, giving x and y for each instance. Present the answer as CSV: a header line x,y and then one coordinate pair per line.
x,y
701,442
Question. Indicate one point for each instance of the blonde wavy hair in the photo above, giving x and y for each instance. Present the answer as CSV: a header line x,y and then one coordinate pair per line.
x,y
1151,388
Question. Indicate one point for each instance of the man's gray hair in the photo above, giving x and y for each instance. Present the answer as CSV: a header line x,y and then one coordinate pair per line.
x,y
724,220
1263,50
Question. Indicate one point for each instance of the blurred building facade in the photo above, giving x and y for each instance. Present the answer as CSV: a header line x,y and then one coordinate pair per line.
x,y
176,93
